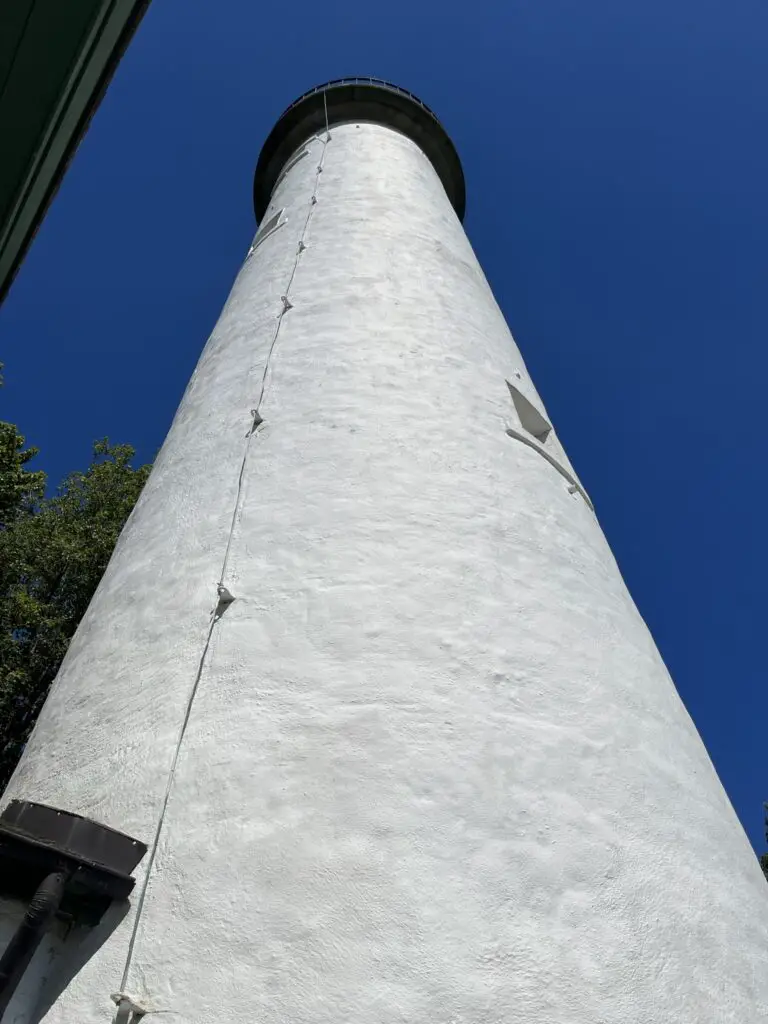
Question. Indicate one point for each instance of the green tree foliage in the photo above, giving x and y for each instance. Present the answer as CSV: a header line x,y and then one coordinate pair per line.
x,y
53,552
20,490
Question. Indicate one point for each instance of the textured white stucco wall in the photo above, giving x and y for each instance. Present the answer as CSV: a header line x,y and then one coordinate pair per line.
x,y
433,768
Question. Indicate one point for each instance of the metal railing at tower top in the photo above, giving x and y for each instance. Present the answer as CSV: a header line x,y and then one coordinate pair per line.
x,y
379,83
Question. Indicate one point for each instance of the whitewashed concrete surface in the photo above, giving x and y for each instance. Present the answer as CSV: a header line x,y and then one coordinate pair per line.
x,y
435,771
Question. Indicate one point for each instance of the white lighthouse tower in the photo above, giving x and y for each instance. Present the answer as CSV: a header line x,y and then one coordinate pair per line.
x,y
363,674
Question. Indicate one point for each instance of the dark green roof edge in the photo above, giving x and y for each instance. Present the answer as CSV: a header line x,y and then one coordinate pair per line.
x,y
81,97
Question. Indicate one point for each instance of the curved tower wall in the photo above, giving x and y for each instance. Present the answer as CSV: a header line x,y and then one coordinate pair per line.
x,y
428,764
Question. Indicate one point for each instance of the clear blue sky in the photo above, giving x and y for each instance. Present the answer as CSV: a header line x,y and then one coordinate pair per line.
x,y
616,158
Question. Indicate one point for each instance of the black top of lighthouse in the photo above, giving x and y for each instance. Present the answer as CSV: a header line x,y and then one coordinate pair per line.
x,y
358,99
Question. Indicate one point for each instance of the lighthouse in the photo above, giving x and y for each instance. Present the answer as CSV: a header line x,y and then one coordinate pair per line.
x,y
362,678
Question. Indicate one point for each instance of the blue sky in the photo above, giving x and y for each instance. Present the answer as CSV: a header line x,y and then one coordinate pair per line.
x,y
616,158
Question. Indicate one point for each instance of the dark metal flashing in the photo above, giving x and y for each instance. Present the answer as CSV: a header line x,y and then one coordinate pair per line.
x,y
36,839
61,865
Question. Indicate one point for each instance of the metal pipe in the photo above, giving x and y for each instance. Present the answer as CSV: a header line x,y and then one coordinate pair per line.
x,y
41,910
